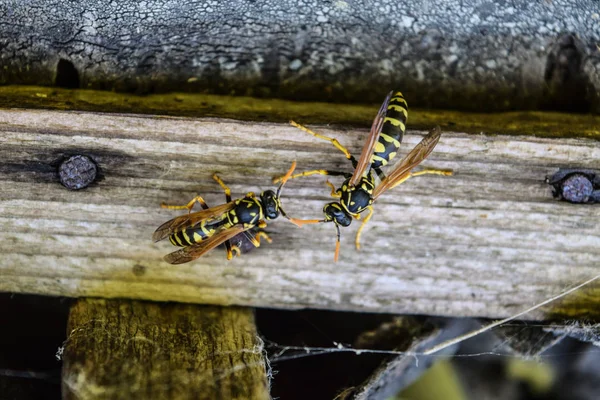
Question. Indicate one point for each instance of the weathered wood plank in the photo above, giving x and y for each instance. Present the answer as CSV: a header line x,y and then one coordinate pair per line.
x,y
121,349
487,241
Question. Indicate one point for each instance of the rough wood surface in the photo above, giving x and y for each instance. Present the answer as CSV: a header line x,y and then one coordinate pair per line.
x,y
121,349
486,242
473,54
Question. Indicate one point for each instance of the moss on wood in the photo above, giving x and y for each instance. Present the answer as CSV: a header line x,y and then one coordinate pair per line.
x,y
543,124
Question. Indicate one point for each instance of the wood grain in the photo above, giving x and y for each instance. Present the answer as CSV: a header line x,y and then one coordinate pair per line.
x,y
488,241
121,349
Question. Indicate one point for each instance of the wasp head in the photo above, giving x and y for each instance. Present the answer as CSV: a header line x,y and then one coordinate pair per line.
x,y
334,212
270,204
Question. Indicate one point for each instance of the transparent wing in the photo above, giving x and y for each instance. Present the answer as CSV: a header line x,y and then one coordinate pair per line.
x,y
179,223
364,162
194,251
412,159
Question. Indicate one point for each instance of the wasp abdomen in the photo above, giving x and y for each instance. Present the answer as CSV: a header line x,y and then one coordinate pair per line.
x,y
392,131
196,234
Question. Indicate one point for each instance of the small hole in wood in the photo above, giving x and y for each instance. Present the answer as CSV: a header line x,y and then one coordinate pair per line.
x,y
66,75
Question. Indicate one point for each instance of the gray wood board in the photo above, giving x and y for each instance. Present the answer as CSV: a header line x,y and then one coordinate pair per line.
x,y
488,241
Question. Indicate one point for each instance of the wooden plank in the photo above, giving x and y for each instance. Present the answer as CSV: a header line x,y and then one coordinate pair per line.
x,y
121,349
486,242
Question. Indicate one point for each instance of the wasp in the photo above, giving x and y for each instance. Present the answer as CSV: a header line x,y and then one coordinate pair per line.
x,y
359,190
199,232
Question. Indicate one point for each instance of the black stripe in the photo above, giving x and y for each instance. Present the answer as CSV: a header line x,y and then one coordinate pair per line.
x,y
396,101
391,130
183,239
396,115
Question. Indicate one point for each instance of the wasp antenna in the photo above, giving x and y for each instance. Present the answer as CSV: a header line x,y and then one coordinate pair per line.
x,y
337,244
286,177
301,222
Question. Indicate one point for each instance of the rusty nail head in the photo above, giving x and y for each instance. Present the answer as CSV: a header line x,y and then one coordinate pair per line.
x,y
77,172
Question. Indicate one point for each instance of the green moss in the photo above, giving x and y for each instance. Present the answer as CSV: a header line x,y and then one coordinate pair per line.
x,y
544,124
582,304
538,376
439,382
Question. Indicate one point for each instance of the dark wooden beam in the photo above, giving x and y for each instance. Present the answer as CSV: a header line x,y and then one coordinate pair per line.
x,y
121,349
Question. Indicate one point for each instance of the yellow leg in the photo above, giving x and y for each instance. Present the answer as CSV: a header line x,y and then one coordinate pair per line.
x,y
187,206
233,249
423,172
362,226
313,172
333,141
256,239
224,186
334,192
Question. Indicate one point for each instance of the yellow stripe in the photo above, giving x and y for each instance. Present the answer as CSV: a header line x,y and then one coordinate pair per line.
x,y
177,239
204,230
399,99
378,158
399,108
187,238
389,139
197,237
172,241
395,122
379,147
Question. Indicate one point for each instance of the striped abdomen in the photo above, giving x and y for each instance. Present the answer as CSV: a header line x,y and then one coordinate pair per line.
x,y
392,131
196,233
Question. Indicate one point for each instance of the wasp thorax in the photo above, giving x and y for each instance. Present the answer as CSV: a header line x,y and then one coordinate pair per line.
x,y
334,212
270,204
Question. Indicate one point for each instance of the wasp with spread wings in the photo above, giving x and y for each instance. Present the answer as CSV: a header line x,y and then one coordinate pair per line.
x,y
199,232
359,191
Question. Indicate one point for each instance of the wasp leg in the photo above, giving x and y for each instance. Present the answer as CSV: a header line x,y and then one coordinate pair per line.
x,y
232,249
228,246
333,141
334,192
380,173
188,206
423,172
315,172
362,226
224,186
255,240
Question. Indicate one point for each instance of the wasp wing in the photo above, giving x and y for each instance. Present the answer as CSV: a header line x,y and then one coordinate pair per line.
x,y
364,162
179,223
199,249
416,156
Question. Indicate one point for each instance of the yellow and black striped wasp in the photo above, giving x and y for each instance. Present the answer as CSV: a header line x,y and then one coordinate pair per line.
x,y
199,232
359,191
